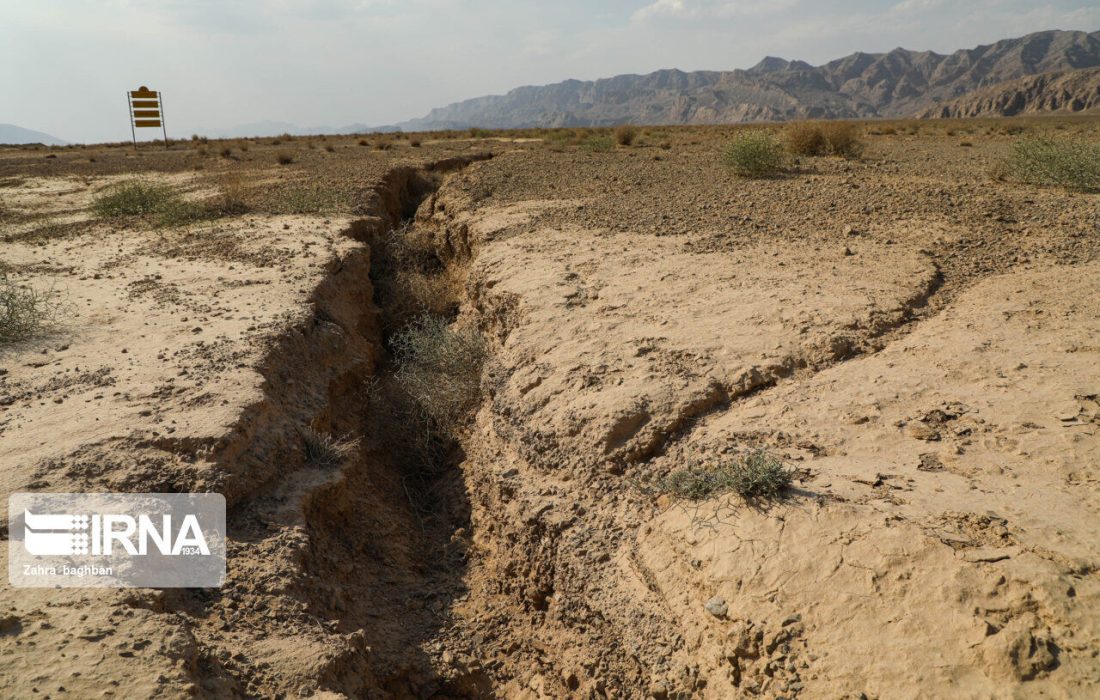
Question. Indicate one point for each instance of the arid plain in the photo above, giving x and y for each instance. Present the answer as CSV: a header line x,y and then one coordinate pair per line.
x,y
912,332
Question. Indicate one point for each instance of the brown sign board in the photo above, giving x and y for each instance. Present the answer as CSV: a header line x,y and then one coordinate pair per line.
x,y
146,110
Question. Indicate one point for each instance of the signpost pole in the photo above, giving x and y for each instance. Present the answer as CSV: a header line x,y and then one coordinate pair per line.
x,y
163,127
130,106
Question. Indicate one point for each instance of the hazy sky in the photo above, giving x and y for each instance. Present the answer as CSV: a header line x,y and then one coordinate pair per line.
x,y
65,64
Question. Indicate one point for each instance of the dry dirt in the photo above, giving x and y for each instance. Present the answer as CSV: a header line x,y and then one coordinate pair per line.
x,y
917,338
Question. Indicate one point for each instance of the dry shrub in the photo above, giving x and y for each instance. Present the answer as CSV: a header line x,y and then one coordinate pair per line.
x,y
806,139
824,138
413,292
230,200
625,135
411,278
284,158
439,367
843,139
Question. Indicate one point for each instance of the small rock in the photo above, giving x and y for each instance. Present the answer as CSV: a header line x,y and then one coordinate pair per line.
x,y
717,606
922,431
850,230
930,463
848,251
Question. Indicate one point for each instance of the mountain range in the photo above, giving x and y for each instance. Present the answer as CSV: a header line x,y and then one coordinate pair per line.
x,y
1070,92
12,134
900,83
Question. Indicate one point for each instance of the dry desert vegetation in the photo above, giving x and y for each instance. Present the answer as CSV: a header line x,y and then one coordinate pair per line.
x,y
803,411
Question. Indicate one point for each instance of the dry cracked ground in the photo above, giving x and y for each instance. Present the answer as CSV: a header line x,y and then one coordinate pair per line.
x,y
918,339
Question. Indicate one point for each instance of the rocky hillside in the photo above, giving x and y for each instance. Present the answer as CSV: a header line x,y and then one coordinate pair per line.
x,y
1065,92
895,84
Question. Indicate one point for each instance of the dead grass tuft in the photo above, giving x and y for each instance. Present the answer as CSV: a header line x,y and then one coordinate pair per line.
x,y
754,475
323,450
25,312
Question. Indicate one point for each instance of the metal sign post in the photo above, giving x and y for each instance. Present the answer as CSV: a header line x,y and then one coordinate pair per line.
x,y
146,110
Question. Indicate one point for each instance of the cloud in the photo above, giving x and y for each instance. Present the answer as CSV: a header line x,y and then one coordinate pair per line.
x,y
686,9
906,7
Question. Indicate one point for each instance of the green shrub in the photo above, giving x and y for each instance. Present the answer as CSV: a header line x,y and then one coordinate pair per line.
x,y
134,198
1072,165
24,312
439,367
755,153
309,197
598,143
163,204
757,474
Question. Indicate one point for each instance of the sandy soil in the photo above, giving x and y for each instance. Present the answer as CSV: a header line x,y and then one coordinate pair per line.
x,y
916,338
